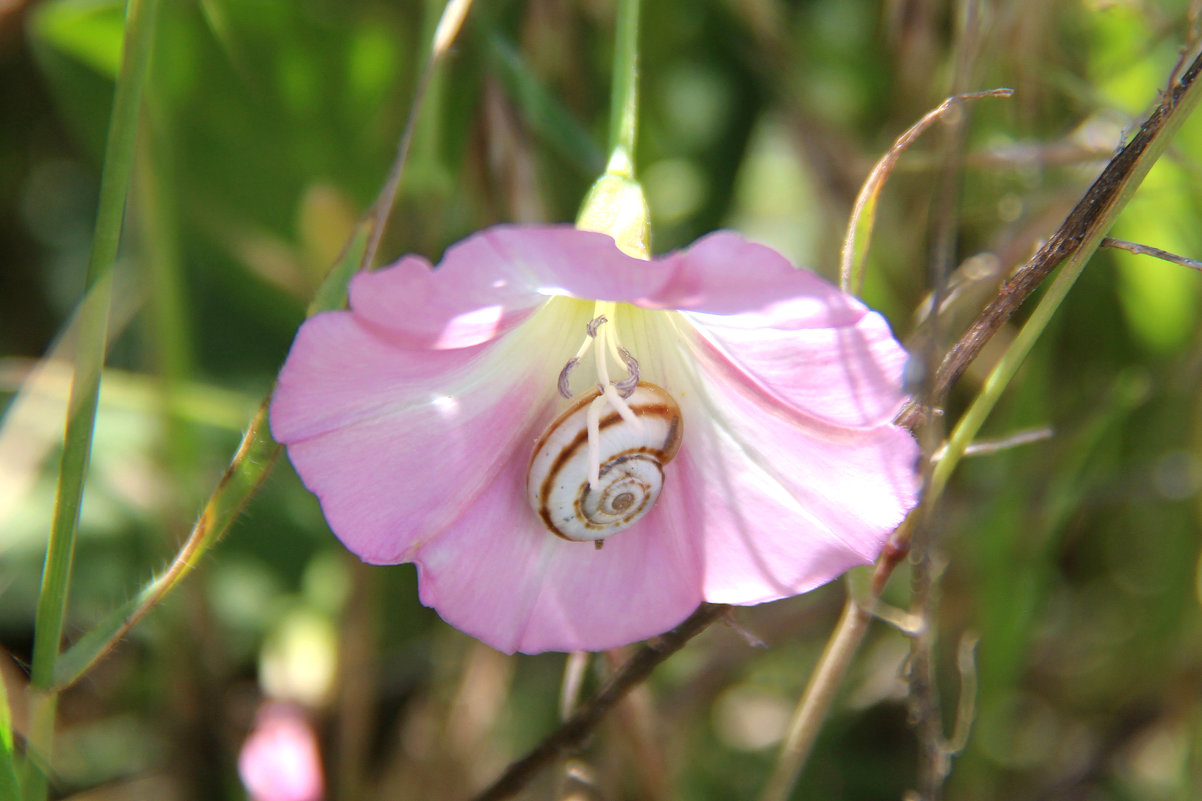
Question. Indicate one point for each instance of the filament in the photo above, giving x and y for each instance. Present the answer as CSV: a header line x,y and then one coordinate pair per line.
x,y
593,422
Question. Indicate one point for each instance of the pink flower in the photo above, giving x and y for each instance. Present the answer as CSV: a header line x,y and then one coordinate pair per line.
x,y
279,760
414,417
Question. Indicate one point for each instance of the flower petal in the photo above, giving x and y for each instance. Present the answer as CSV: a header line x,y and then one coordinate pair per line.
x,y
490,282
789,502
723,273
815,350
501,577
848,375
396,442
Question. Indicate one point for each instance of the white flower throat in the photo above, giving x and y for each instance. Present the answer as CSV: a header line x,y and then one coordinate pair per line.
x,y
598,468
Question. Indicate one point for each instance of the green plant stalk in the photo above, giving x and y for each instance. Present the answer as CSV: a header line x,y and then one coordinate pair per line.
x,y
1099,208
445,32
9,788
999,378
168,331
246,472
615,204
85,389
624,97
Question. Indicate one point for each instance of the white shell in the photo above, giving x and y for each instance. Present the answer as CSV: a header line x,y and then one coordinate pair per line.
x,y
631,466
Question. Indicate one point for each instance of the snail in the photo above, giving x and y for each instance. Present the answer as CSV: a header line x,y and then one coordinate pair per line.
x,y
633,450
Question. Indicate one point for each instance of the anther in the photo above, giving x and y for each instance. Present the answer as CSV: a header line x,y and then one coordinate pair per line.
x,y
594,324
564,389
626,385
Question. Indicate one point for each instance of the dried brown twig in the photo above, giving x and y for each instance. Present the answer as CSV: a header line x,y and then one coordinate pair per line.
x,y
1148,250
1082,223
572,734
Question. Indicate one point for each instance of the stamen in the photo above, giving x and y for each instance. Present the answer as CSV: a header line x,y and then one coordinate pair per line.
x,y
602,362
626,385
564,389
593,423
610,393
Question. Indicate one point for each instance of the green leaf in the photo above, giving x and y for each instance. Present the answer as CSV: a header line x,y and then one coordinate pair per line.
x,y
89,31
547,118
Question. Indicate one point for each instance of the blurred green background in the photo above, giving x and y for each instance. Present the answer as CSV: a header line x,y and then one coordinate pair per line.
x,y
268,127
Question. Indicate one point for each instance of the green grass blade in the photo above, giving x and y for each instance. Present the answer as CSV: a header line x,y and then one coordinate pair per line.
x,y
546,116
1167,119
85,390
247,470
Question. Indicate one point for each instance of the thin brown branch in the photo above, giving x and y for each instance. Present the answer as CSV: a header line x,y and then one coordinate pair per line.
x,y
572,734
850,276
1148,250
1080,225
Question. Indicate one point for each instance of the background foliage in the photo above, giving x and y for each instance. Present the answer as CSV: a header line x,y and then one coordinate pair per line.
x,y
267,129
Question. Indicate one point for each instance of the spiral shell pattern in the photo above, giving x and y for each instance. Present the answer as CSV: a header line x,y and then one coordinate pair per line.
x,y
631,466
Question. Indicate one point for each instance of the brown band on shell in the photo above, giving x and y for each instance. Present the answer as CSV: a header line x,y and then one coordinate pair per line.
x,y
663,454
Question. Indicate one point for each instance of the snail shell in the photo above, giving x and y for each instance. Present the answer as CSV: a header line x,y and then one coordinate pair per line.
x,y
631,463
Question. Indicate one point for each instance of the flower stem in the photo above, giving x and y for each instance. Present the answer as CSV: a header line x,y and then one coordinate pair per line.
x,y
85,388
624,97
245,474
811,712
615,204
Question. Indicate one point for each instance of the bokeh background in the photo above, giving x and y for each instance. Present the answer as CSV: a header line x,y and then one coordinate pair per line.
x,y
267,129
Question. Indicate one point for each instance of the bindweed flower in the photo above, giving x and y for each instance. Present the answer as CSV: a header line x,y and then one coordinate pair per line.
x,y
728,435
280,760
